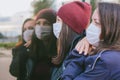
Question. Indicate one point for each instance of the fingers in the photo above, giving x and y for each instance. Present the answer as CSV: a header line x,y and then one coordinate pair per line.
x,y
90,49
87,46
86,49
27,44
83,46
78,47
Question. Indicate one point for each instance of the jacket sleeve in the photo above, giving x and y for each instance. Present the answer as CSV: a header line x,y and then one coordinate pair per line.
x,y
99,71
14,66
18,63
73,65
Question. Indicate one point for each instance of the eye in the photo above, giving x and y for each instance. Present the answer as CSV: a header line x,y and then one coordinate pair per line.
x,y
96,22
46,23
31,27
38,23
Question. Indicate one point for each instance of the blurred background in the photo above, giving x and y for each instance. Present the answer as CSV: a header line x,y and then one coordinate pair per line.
x,y
12,15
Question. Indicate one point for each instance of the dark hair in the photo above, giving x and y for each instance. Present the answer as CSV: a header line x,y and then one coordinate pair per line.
x,y
64,42
48,14
22,41
110,26
45,47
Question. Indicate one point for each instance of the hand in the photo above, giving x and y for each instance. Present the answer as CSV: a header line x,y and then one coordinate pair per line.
x,y
83,46
27,44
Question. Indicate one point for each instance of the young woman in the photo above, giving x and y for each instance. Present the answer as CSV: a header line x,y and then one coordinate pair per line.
x,y
43,45
69,24
104,36
20,52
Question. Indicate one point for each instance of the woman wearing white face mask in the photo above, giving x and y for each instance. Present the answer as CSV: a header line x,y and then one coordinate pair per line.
x,y
92,36
43,45
20,52
102,63
69,24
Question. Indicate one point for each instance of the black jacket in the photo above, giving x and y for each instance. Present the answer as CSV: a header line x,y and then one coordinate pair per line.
x,y
18,63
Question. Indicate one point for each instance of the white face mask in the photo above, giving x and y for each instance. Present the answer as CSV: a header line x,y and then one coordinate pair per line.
x,y
37,31
42,31
57,29
93,34
27,35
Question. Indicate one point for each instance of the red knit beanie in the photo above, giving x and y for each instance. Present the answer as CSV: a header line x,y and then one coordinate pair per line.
x,y
76,15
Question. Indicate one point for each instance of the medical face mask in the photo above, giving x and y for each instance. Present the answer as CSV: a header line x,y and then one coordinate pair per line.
x,y
27,35
57,29
93,34
42,31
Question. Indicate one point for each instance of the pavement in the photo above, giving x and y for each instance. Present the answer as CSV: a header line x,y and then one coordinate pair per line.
x,y
5,60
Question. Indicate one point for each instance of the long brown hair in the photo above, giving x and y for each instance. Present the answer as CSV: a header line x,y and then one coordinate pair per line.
x,y
64,42
46,47
21,42
109,14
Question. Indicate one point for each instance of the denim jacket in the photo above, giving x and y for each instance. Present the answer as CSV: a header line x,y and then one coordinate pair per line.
x,y
104,65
